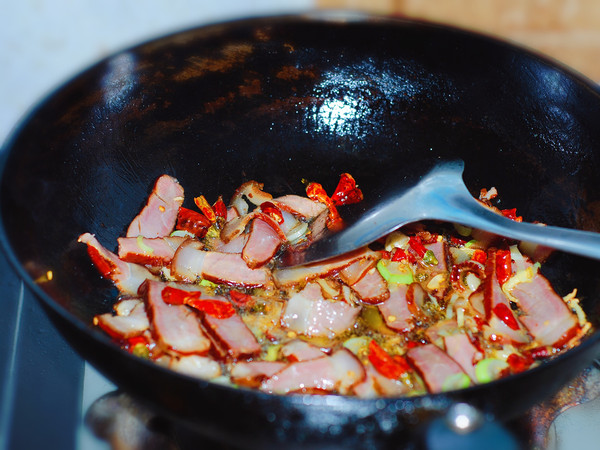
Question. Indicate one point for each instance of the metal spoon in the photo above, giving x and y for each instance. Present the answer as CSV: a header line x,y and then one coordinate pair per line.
x,y
438,195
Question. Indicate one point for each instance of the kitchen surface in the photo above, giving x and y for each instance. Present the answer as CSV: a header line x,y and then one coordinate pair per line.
x,y
46,390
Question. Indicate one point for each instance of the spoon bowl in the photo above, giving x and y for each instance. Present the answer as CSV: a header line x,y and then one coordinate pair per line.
x,y
434,191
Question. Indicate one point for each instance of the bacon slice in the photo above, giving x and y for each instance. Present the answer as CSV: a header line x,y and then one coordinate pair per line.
x,y
376,385
159,215
546,315
175,327
133,321
335,373
231,335
302,274
440,252
395,311
127,277
372,288
196,366
355,271
156,252
236,245
434,366
251,190
308,313
191,262
494,296
253,373
298,350
262,244
299,206
460,349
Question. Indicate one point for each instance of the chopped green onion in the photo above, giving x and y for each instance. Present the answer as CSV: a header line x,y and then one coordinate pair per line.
x,y
398,276
142,245
358,344
430,258
272,352
456,381
489,369
462,230
141,350
207,283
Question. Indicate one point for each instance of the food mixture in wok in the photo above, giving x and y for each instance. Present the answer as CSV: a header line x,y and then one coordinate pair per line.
x,y
423,310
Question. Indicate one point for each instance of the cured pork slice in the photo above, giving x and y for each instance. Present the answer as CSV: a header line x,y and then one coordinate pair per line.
x,y
130,323
196,366
308,313
263,242
175,327
302,274
460,349
545,314
372,288
159,216
156,252
298,350
192,262
299,206
434,366
231,334
127,277
253,373
376,385
335,373
395,311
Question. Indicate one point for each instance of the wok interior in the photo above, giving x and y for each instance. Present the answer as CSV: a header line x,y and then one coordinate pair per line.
x,y
279,100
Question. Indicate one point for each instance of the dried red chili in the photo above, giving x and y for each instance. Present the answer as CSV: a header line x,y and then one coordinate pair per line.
x,y
505,315
205,208
216,308
416,243
192,222
503,266
273,211
316,192
386,365
346,191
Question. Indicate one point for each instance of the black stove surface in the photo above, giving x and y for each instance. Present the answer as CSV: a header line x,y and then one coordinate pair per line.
x,y
40,375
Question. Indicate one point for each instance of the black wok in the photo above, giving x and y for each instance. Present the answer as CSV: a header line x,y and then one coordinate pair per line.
x,y
278,100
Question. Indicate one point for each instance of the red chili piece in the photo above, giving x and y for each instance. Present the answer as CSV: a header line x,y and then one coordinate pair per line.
x,y
315,192
402,255
193,222
205,208
174,296
416,243
215,308
273,211
346,191
104,266
239,298
220,209
503,266
519,363
386,365
511,214
479,256
505,315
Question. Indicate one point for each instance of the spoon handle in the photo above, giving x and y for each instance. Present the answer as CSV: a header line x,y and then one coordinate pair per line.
x,y
475,215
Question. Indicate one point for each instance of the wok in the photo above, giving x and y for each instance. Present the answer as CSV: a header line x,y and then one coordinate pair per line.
x,y
277,100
